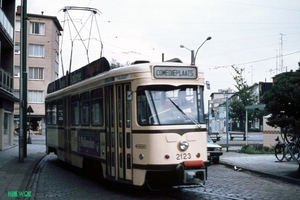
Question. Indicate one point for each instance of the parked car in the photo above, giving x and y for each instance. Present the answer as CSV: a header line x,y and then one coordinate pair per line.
x,y
214,151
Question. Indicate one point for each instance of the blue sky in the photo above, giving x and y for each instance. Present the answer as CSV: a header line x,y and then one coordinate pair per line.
x,y
251,34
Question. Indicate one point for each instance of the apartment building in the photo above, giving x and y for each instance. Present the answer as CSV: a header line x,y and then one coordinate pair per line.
x,y
7,19
42,64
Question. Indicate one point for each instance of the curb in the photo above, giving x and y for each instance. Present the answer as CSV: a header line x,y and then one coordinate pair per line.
x,y
282,178
32,183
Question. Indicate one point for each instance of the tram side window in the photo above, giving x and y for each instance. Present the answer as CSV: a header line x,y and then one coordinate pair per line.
x,y
75,110
120,106
143,110
54,113
60,112
97,107
85,109
48,113
128,108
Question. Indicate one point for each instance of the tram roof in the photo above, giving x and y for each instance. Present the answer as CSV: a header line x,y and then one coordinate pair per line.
x,y
102,67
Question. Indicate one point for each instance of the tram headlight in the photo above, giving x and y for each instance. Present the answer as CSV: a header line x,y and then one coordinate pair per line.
x,y
183,145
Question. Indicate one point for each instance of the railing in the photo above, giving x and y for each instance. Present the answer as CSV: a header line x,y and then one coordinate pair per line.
x,y
6,81
6,24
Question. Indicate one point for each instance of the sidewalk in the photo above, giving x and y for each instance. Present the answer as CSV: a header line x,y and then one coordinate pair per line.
x,y
15,176
264,164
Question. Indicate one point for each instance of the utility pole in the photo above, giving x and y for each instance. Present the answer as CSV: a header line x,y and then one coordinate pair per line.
x,y
23,84
276,62
281,52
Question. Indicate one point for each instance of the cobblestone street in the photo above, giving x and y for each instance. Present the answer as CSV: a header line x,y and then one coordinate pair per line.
x,y
61,181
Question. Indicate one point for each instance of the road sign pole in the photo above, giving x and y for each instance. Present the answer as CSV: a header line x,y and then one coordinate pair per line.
x,y
227,122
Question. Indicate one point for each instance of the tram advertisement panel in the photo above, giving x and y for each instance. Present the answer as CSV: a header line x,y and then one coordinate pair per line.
x,y
89,142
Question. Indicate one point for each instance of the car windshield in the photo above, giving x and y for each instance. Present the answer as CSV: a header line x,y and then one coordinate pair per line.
x,y
168,105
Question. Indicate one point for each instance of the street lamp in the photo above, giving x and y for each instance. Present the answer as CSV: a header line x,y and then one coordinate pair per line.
x,y
193,57
192,54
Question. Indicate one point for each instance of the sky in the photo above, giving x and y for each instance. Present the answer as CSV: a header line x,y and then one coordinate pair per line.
x,y
262,37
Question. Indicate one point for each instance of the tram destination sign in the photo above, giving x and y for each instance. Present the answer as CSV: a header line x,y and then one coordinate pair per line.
x,y
175,72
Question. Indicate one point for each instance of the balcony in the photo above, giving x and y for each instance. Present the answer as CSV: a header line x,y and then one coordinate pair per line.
x,y
5,24
6,81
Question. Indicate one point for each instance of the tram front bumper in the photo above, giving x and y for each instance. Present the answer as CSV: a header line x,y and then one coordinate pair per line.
x,y
193,172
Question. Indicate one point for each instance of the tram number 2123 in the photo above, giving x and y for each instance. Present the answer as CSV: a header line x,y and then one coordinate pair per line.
x,y
183,156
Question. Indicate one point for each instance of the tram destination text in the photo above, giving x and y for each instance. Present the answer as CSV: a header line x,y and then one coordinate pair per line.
x,y
175,72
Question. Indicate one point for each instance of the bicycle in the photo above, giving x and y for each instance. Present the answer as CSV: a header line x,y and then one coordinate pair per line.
x,y
293,152
286,151
280,149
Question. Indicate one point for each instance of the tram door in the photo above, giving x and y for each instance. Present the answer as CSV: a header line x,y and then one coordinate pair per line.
x,y
118,132
65,120
124,132
110,132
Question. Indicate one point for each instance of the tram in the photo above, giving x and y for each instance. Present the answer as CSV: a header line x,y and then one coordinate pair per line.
x,y
141,124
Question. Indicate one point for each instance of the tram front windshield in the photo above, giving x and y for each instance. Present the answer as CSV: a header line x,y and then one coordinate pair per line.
x,y
169,105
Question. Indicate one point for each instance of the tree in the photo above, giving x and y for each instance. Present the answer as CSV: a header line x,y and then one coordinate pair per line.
x,y
243,97
116,64
282,101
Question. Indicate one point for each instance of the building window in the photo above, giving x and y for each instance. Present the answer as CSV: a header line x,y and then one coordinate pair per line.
x,y
57,36
16,93
17,71
56,75
36,50
35,96
17,48
37,28
56,56
18,25
36,73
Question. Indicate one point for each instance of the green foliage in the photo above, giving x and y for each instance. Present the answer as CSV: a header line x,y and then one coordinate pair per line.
x,y
116,64
282,101
256,149
243,97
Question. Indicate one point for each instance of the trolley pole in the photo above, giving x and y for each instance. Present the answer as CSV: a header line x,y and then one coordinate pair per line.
x,y
23,84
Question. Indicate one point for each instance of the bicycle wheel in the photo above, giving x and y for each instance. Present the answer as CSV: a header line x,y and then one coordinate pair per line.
x,y
295,150
288,156
279,152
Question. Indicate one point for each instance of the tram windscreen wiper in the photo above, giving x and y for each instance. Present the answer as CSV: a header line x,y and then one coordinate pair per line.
x,y
186,115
